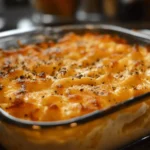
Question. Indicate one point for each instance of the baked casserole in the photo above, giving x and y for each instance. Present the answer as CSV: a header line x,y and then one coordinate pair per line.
x,y
76,75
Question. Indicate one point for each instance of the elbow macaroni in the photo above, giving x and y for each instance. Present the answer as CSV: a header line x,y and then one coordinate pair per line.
x,y
74,76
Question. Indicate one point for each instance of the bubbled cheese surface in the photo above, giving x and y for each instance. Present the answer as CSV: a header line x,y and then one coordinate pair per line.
x,y
74,76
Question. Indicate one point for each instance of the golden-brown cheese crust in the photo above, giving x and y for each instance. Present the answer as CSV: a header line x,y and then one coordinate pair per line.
x,y
77,75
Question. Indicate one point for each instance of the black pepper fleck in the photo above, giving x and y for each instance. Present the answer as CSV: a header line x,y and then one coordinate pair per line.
x,y
81,90
42,74
1,87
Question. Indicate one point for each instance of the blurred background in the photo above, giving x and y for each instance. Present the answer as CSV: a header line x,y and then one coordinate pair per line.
x,y
28,13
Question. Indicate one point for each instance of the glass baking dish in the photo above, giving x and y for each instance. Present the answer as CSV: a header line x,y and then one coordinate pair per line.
x,y
107,129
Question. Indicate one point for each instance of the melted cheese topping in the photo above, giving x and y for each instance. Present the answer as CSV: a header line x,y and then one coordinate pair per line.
x,y
74,76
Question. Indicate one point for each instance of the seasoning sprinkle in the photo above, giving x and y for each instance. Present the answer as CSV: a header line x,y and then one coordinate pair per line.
x,y
1,87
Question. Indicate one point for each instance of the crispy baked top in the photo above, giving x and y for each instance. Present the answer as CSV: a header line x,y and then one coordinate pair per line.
x,y
74,76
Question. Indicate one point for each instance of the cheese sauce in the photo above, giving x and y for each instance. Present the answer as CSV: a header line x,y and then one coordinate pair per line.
x,y
74,76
